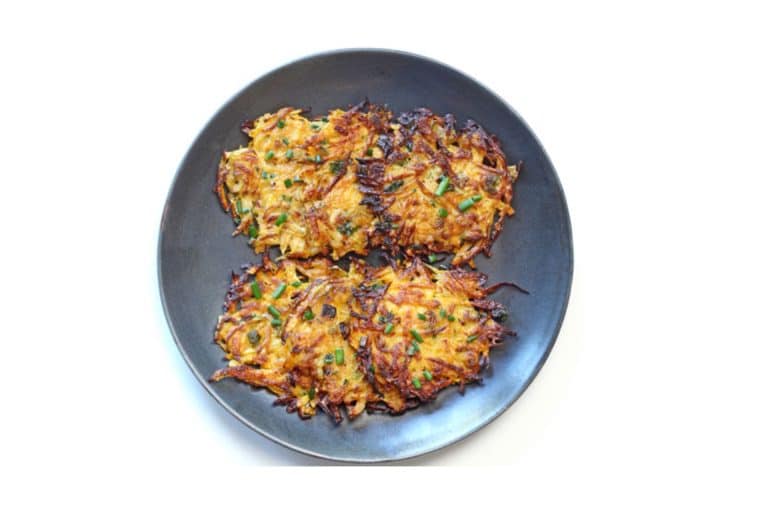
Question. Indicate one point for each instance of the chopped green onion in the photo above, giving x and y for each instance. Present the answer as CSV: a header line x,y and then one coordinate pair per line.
x,y
443,313
337,166
255,290
325,119
339,356
433,258
273,311
315,126
276,322
412,349
328,359
296,284
388,328
472,338
280,123
269,155
417,336
278,291
308,314
253,231
253,336
442,212
443,186
393,186
427,374
468,203
421,316
288,183
285,141
347,228
318,159
281,219
451,318
369,152
416,383
239,207
311,393
289,154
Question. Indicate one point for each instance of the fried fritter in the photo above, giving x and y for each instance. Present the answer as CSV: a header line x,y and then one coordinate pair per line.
x,y
286,329
358,179
436,188
367,338
294,185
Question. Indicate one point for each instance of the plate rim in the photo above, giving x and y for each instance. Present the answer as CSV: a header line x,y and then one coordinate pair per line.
x,y
365,460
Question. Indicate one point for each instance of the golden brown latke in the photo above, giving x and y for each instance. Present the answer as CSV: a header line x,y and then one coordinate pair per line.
x,y
370,338
358,179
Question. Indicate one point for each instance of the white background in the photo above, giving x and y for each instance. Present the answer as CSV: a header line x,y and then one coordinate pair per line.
x,y
656,119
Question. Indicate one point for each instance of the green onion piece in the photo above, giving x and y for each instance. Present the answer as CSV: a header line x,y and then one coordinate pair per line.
x,y
417,336
337,166
311,393
239,207
443,313
253,336
281,219
451,318
443,186
442,212
432,258
315,126
253,231
388,328
339,356
328,359
273,311
288,183
416,383
308,314
467,203
278,291
369,152
269,155
472,338
285,141
325,119
255,290
280,123
427,374
296,284
421,316
412,349
276,322
318,159
289,154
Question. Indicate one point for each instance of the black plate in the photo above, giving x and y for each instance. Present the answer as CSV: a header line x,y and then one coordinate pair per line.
x,y
196,253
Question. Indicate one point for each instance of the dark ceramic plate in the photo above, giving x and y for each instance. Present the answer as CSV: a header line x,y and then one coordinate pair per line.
x,y
196,253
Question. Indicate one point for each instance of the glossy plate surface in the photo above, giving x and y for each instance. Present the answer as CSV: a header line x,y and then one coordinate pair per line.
x,y
196,253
